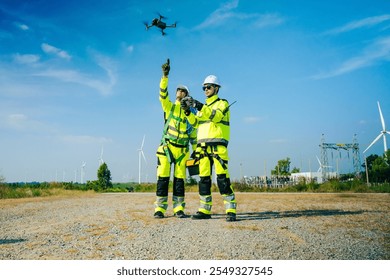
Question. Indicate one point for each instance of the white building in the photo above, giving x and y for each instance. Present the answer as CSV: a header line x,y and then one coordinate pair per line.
x,y
312,176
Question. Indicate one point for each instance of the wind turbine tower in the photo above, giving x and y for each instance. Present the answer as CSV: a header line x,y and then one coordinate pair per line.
x,y
141,154
101,161
382,133
82,175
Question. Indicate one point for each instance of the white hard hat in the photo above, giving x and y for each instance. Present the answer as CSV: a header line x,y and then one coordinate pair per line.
x,y
211,79
183,87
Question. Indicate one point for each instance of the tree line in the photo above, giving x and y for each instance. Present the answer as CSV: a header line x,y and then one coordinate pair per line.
x,y
375,169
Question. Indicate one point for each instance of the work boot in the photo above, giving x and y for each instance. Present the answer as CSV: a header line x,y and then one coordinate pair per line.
x,y
180,214
159,215
231,217
201,216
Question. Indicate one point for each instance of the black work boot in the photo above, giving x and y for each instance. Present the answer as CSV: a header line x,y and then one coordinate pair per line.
x,y
201,216
231,217
158,215
180,214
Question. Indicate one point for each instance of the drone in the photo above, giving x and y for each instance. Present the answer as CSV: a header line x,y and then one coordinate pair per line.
x,y
160,24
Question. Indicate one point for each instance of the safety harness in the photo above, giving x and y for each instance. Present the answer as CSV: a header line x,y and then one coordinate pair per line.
x,y
177,142
211,155
214,146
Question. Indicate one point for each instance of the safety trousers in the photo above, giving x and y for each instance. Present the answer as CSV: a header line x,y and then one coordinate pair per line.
x,y
216,156
180,156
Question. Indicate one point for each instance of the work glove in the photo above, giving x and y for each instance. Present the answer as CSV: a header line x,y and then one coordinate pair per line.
x,y
165,68
189,101
196,104
193,155
185,104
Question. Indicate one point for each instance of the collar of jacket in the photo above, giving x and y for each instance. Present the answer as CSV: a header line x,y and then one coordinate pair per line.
x,y
211,99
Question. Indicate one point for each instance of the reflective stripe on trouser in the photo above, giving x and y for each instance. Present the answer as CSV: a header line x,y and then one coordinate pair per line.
x,y
206,202
230,203
223,180
161,204
178,203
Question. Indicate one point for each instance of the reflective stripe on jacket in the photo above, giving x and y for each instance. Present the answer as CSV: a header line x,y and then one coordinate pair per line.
x,y
176,129
212,122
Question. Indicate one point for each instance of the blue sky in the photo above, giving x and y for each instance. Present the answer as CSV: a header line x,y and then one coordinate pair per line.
x,y
76,76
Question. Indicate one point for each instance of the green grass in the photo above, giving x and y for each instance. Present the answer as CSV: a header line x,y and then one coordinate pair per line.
x,y
22,190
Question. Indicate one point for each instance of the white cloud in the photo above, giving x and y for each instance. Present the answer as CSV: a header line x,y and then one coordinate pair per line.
x,y
78,78
56,51
26,58
227,12
366,22
22,122
73,76
376,52
130,49
22,26
268,20
107,65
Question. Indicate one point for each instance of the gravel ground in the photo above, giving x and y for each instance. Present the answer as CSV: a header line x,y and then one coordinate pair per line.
x,y
270,226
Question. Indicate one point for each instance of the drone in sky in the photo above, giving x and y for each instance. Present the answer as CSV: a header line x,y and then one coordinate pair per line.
x,y
160,24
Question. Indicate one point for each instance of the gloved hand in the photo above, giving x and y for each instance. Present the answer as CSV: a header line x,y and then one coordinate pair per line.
x,y
185,105
198,105
189,101
165,68
193,155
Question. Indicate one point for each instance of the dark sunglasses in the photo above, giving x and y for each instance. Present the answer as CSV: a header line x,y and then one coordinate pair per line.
x,y
207,87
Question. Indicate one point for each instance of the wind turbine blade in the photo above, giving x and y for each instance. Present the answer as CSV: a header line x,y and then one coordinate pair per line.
x,y
143,155
373,142
384,142
382,119
143,141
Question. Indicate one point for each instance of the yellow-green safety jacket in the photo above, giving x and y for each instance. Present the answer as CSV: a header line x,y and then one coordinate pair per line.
x,y
177,130
212,122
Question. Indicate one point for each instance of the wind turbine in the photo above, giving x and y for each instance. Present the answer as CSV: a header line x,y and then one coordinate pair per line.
x,y
101,161
321,165
83,171
382,133
141,153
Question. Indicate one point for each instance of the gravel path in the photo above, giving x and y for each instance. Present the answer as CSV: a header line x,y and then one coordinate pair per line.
x,y
270,226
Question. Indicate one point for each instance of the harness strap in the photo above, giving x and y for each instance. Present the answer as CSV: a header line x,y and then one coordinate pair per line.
x,y
210,156
165,140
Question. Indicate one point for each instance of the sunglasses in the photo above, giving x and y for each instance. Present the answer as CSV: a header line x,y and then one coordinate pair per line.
x,y
207,87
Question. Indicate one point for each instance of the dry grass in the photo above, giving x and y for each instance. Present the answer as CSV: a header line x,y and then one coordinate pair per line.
x,y
102,221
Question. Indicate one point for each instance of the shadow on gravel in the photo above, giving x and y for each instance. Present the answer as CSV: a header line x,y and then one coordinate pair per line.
x,y
11,241
289,214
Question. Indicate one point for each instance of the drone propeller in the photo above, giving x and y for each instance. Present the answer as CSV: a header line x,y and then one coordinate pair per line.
x,y
161,16
146,24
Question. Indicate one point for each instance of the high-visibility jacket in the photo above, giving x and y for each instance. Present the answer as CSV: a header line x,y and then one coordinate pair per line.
x,y
177,130
212,122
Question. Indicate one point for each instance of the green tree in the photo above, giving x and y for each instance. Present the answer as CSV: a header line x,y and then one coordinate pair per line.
x,y
282,168
2,178
295,170
104,177
379,168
